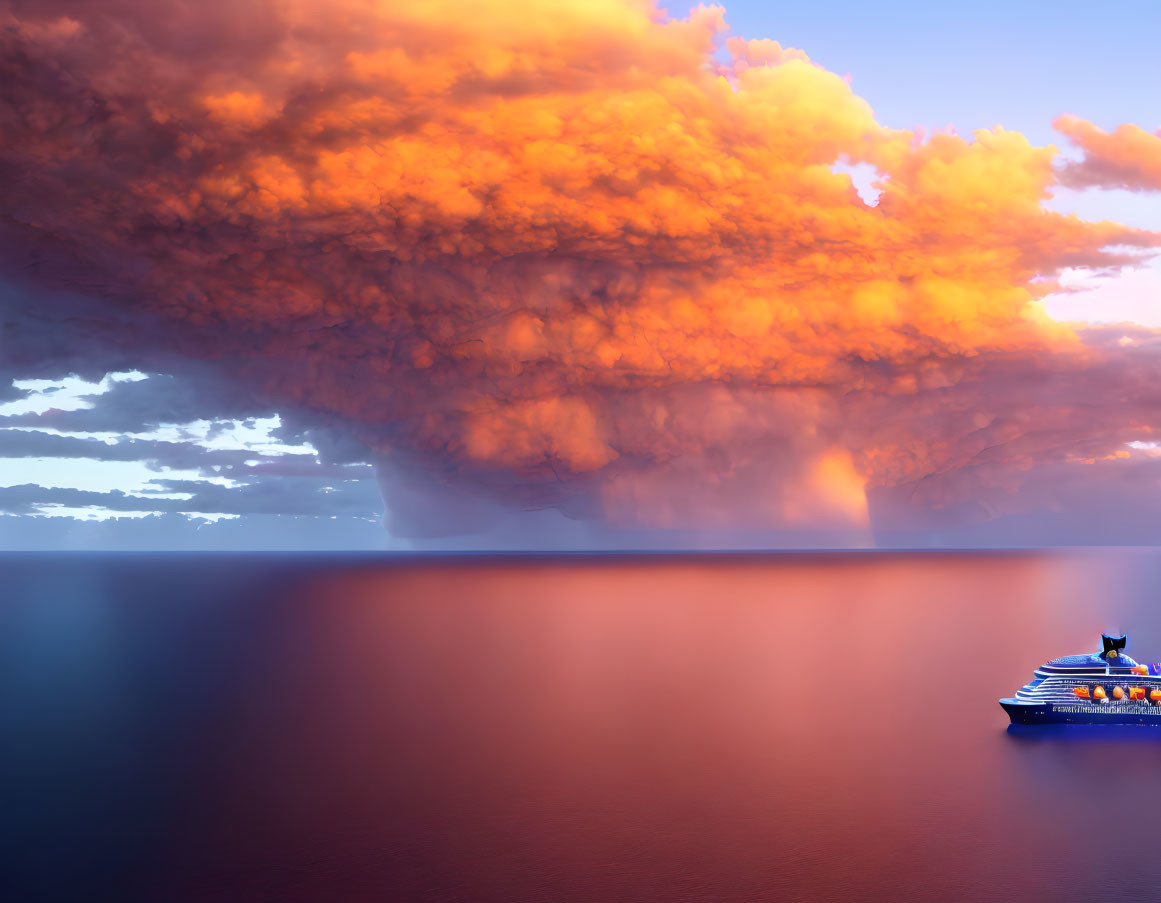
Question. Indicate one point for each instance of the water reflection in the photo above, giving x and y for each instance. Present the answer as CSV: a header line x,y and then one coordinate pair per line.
x,y
718,728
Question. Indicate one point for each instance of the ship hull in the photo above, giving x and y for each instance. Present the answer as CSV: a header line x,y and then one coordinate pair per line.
x,y
1085,713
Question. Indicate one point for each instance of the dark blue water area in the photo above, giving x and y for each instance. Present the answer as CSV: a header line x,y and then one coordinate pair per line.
x,y
647,728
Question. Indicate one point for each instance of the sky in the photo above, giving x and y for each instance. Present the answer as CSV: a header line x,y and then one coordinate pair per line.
x,y
578,275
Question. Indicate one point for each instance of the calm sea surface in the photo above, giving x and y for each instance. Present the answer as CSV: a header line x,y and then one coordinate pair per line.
x,y
715,728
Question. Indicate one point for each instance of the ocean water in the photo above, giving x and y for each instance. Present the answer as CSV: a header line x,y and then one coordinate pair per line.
x,y
669,728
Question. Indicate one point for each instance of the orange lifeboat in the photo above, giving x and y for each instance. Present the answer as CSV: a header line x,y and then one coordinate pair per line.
x,y
1118,693
1099,693
1082,692
1136,693
1155,695
1140,669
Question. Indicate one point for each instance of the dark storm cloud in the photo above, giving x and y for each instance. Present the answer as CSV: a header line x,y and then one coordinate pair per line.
x,y
1112,501
177,532
142,405
9,392
158,454
266,495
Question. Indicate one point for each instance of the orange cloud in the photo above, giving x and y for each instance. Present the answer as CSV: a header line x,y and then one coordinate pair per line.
x,y
553,253
1129,157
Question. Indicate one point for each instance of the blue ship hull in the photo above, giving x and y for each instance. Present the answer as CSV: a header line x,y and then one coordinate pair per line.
x,y
1106,713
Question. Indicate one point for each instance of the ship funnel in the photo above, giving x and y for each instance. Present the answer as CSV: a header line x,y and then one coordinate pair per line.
x,y
1113,645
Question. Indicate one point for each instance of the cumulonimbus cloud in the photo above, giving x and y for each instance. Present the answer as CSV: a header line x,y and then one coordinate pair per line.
x,y
554,254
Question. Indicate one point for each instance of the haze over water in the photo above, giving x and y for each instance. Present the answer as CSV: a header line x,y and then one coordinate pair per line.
x,y
670,728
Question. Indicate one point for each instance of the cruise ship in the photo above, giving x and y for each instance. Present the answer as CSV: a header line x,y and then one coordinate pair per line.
x,y
1105,687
